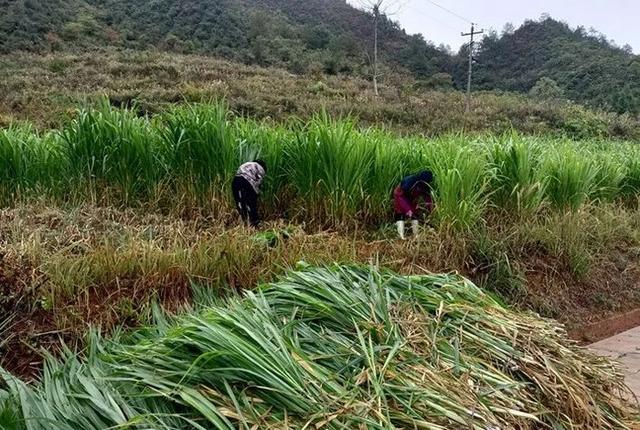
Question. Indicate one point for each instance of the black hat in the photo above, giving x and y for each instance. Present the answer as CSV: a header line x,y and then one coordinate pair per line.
x,y
425,176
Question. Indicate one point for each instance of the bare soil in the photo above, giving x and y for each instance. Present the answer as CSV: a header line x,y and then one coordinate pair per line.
x,y
32,329
611,326
601,302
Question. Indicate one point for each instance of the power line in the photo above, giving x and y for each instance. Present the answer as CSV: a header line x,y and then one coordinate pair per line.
x,y
426,15
457,15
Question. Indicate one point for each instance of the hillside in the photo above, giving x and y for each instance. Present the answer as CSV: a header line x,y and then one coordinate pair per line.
x,y
46,89
325,34
585,66
331,37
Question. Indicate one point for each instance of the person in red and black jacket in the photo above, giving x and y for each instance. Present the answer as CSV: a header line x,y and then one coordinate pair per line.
x,y
407,198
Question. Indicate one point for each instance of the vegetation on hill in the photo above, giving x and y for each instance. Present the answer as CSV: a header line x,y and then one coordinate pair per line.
x,y
332,37
329,35
46,89
585,66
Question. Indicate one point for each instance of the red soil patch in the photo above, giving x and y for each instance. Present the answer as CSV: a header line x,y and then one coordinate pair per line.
x,y
601,303
119,302
606,328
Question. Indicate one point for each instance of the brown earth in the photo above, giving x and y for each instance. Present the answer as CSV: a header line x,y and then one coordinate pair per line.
x,y
32,329
598,304
607,327
123,303
593,303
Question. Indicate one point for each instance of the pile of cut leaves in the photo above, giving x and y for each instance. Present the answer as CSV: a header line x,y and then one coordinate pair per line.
x,y
330,348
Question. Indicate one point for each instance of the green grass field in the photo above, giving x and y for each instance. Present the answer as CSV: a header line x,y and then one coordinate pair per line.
x,y
113,215
323,170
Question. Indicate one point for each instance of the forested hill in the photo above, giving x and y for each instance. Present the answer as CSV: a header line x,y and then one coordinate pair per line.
x,y
328,35
583,66
333,37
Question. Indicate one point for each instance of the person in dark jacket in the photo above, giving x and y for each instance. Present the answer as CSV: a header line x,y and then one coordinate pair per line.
x,y
246,188
407,198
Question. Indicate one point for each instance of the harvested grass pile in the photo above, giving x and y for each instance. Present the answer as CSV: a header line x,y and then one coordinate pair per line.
x,y
336,348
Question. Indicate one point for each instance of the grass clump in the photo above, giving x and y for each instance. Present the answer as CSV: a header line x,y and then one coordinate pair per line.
x,y
516,184
570,177
29,162
461,176
200,153
110,150
339,347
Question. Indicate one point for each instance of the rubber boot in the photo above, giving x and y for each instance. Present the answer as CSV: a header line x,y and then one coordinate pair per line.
x,y
415,227
400,227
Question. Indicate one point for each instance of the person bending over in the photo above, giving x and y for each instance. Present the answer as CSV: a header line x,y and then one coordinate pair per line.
x,y
407,197
246,188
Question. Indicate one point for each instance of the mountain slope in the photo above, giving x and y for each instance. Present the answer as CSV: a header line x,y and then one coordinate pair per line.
x,y
24,24
332,37
329,35
584,65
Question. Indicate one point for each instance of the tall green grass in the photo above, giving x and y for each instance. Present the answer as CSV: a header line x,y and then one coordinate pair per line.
x,y
325,170
461,181
609,176
108,150
328,164
516,184
29,163
199,153
630,185
570,177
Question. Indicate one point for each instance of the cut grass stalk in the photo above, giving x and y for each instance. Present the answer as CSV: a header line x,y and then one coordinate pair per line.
x,y
339,347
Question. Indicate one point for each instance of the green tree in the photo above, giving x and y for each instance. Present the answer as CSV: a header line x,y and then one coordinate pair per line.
x,y
546,89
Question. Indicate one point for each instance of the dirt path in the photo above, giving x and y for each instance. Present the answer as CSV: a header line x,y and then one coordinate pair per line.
x,y
625,348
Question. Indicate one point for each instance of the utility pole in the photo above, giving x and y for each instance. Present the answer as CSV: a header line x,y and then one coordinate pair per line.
x,y
376,15
471,34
